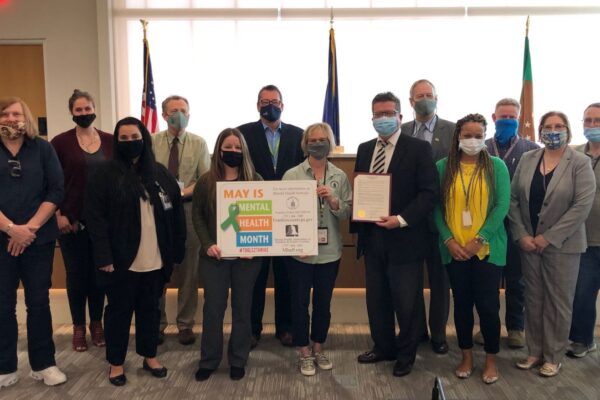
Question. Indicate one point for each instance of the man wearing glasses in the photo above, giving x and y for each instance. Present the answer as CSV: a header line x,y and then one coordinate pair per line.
x,y
438,132
395,246
509,146
274,147
588,281
186,156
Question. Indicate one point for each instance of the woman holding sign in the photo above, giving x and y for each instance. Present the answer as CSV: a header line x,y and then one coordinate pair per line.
x,y
475,195
318,272
230,162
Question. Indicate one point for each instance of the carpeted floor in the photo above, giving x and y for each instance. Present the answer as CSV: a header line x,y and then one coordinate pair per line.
x,y
272,374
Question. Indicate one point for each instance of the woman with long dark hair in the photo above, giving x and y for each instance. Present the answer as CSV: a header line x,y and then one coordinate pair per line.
x,y
230,162
475,195
81,150
136,222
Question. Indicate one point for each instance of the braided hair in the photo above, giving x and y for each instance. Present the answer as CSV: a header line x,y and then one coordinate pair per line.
x,y
484,168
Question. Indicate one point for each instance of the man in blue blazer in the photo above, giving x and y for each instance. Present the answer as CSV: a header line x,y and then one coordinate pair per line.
x,y
438,132
274,147
395,246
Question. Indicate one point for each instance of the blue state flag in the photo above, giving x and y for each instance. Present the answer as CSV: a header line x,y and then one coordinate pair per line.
x,y
331,110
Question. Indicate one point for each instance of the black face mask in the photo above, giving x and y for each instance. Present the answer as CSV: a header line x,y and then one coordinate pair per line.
x,y
131,149
84,121
271,112
232,158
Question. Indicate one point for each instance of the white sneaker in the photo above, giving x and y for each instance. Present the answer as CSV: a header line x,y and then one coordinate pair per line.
x,y
307,365
51,376
322,361
7,380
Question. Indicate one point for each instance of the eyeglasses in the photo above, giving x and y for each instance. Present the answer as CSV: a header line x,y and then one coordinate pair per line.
x,y
265,102
554,128
388,114
15,168
591,121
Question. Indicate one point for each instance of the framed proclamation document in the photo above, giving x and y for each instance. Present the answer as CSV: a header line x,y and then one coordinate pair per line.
x,y
267,218
371,197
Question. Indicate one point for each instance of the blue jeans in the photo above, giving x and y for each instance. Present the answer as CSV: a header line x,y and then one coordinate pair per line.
x,y
584,305
34,269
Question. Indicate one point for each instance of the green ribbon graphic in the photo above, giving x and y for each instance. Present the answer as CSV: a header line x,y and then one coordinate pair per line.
x,y
234,211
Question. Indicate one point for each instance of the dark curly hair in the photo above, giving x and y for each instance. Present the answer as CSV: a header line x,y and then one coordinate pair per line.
x,y
483,170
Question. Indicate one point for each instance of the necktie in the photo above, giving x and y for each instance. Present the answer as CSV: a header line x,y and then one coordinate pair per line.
x,y
174,158
379,163
421,132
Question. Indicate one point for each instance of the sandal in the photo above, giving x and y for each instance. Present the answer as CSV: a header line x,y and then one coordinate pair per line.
x,y
79,342
463,374
97,333
549,370
529,362
489,379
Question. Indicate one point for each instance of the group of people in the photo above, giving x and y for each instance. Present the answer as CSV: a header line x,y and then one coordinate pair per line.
x,y
132,211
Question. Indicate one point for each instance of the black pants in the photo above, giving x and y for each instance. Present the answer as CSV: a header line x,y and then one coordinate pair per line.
x,y
439,293
34,269
515,288
283,304
218,277
321,278
131,292
76,250
476,283
393,288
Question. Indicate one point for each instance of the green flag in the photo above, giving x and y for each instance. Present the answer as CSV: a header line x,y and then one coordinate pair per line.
x,y
526,125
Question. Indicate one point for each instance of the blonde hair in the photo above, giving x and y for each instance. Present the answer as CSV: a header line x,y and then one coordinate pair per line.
x,y
310,129
30,125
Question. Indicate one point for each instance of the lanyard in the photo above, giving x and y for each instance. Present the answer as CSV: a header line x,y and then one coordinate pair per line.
x,y
321,200
510,149
467,190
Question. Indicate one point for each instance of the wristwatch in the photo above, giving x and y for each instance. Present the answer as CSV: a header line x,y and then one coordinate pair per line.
x,y
481,240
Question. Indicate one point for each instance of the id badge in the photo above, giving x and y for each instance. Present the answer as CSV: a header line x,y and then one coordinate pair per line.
x,y
322,236
467,221
165,200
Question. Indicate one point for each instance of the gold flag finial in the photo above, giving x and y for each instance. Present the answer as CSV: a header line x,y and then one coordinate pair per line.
x,y
331,18
144,26
527,27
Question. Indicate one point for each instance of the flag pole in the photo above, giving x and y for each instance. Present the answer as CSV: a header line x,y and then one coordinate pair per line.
x,y
144,26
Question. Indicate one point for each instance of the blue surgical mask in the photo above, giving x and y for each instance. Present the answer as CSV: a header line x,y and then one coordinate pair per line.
x,y
425,107
178,121
506,129
592,134
553,140
385,126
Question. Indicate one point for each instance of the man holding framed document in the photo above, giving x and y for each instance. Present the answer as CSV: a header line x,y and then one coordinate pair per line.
x,y
395,174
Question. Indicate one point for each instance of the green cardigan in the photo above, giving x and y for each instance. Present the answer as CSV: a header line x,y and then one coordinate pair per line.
x,y
493,228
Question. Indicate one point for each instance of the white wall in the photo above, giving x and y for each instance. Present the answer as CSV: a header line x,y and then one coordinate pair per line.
x,y
68,30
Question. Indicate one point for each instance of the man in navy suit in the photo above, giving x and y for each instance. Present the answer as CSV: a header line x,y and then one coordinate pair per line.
x,y
428,126
395,246
274,147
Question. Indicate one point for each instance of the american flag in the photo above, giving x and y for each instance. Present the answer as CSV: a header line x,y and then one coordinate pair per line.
x,y
331,109
149,113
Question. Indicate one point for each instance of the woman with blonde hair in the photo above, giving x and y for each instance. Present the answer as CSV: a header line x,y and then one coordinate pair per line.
x,y
32,187
230,162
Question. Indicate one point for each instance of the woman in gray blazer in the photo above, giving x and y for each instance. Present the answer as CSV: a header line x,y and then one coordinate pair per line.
x,y
552,193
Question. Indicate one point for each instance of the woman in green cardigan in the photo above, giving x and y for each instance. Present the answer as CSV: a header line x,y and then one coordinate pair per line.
x,y
475,196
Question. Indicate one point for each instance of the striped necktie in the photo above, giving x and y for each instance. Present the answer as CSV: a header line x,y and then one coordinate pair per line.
x,y
421,132
379,163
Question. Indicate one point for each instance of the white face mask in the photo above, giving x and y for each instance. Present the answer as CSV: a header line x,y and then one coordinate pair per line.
x,y
472,146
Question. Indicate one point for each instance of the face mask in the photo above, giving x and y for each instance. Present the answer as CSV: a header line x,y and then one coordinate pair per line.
x,y
232,158
131,149
425,107
178,121
592,134
271,112
12,131
385,126
554,140
472,146
84,121
506,129
318,150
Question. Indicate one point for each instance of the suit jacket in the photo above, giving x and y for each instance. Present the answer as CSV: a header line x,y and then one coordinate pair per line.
x,y
290,153
567,203
441,140
414,194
